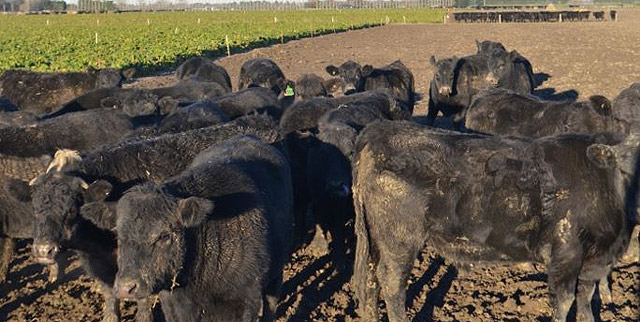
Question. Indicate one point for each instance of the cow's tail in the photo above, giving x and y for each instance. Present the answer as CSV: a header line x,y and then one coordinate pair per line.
x,y
361,266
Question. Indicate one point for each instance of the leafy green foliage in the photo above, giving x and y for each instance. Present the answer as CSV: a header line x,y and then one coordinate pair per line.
x,y
154,41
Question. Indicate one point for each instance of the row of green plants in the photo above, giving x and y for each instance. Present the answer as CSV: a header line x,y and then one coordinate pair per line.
x,y
155,41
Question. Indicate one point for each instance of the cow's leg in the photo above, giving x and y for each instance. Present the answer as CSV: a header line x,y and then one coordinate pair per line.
x,y
7,246
583,300
253,305
393,272
111,312
432,111
369,311
563,271
268,304
605,290
339,244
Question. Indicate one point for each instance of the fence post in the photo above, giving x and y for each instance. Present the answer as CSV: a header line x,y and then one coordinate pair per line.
x,y
226,40
560,19
499,18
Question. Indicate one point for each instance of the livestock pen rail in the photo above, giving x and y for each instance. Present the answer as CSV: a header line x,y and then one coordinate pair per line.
x,y
529,16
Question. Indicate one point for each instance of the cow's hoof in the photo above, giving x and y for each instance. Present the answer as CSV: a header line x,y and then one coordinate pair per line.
x,y
319,245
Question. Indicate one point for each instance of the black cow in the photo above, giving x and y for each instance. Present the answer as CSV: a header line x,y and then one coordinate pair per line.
x,y
79,131
395,76
63,202
211,241
626,106
557,200
351,73
311,85
299,123
16,221
598,15
190,90
514,71
503,112
455,81
250,100
132,101
205,69
329,168
42,93
193,116
264,72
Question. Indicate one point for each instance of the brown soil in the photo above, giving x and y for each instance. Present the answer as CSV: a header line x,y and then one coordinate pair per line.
x,y
588,58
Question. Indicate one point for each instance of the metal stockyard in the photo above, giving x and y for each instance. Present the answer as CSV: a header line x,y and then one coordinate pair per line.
x,y
529,16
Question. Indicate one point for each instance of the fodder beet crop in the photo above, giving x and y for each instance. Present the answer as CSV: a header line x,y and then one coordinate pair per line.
x,y
154,41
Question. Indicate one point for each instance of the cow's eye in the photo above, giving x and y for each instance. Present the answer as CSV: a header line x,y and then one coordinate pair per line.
x,y
491,114
164,239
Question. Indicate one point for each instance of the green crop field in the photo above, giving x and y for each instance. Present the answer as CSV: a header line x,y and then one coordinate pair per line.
x,y
156,41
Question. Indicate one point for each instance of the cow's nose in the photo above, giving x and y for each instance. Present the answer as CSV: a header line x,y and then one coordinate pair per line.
x,y
126,288
45,253
492,79
349,89
445,91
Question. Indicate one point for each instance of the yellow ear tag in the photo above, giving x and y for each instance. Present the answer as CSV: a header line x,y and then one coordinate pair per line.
x,y
288,91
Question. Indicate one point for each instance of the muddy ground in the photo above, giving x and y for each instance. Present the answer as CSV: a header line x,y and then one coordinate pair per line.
x,y
575,60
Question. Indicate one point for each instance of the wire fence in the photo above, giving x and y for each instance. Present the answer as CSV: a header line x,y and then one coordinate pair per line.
x,y
86,6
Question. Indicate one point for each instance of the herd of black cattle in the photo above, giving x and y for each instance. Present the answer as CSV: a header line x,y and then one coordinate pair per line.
x,y
531,16
199,194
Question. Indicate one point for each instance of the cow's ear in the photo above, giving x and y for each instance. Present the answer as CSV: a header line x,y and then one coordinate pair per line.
x,y
603,156
18,189
477,44
100,213
601,104
97,191
367,70
432,61
283,83
129,73
332,70
193,211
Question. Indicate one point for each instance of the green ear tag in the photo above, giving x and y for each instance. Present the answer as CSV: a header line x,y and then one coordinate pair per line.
x,y
288,91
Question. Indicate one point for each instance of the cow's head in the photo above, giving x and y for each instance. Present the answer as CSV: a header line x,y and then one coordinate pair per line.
x,y
309,86
109,77
351,73
627,102
444,74
329,162
502,64
492,118
151,226
490,47
592,116
57,198
139,102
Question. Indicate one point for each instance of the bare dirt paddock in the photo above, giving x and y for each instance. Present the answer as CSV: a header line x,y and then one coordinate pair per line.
x,y
576,59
